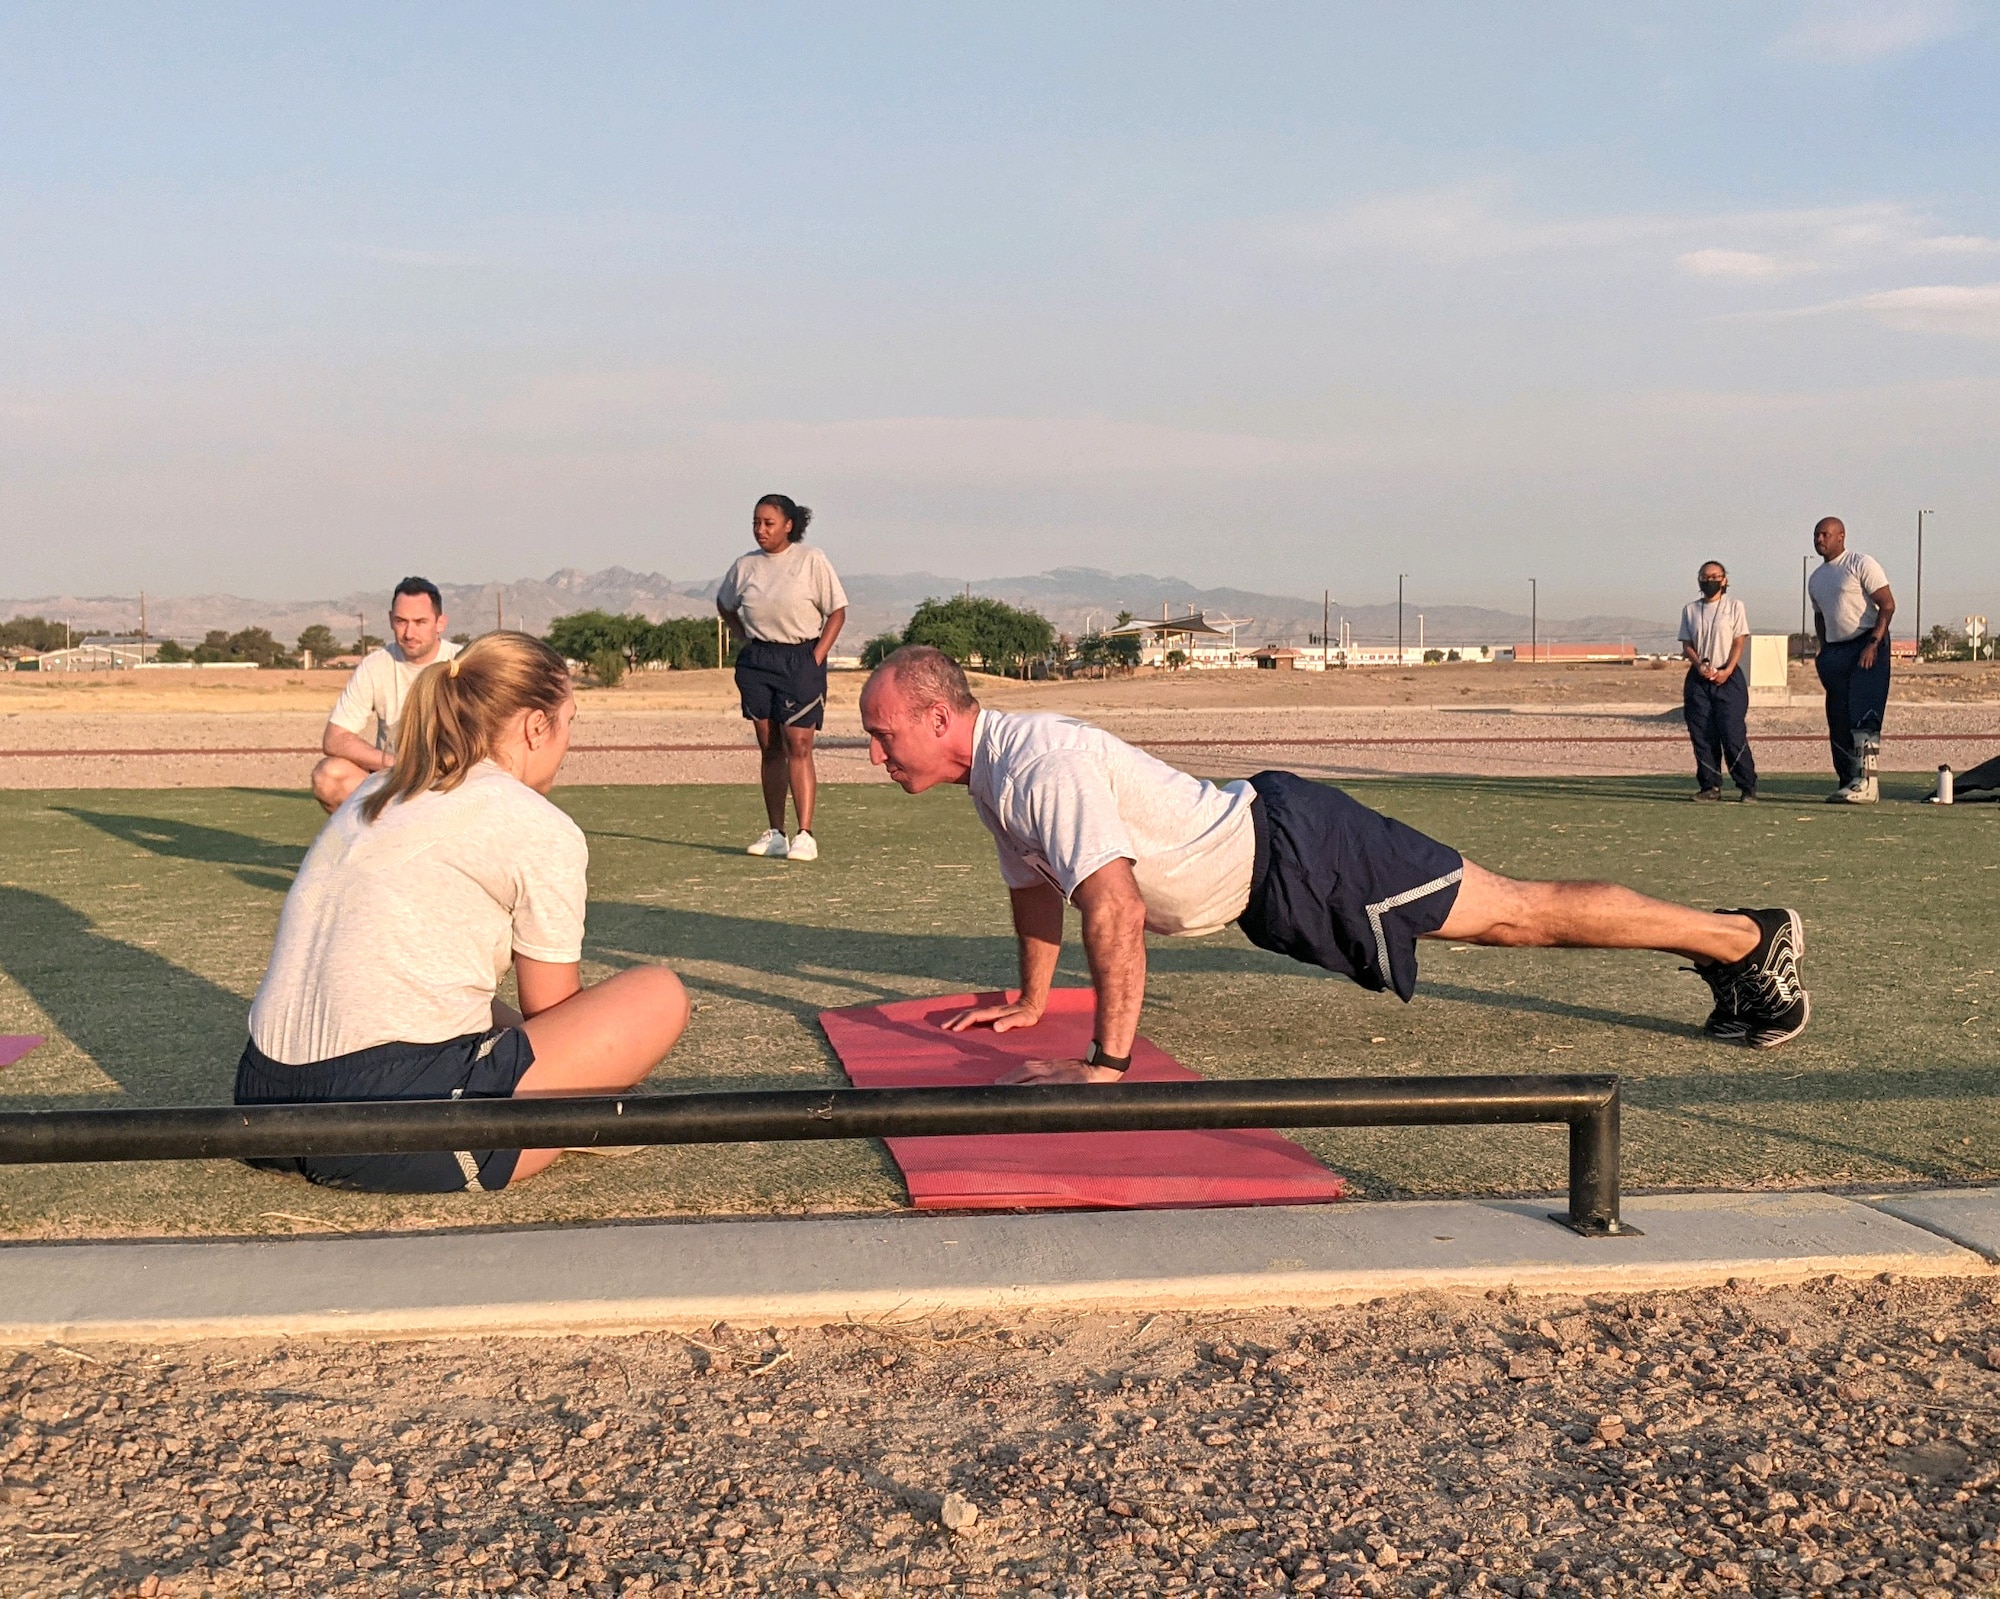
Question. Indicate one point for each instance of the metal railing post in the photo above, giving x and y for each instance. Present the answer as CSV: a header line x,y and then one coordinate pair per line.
x,y
1593,1173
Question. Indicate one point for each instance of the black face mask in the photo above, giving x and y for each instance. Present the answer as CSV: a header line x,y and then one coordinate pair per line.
x,y
1711,588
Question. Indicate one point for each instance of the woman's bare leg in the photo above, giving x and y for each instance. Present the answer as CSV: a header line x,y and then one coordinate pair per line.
x,y
805,781
1491,909
601,1040
771,768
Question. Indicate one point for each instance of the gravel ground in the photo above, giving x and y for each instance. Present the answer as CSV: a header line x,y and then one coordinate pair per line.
x,y
1837,1438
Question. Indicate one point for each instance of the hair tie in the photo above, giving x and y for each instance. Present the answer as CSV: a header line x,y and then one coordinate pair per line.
x,y
451,670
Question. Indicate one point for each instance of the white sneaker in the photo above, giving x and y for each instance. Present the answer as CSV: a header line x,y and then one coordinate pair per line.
x,y
769,842
802,848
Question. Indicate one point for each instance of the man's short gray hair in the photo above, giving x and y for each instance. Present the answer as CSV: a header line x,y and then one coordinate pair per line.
x,y
928,677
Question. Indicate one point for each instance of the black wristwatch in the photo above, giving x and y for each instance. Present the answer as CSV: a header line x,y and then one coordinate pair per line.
x,y
1095,1056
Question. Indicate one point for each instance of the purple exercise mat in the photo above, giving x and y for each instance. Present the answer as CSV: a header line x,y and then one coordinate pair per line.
x,y
14,1045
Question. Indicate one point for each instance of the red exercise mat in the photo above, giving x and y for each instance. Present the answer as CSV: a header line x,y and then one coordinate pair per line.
x,y
14,1045
903,1046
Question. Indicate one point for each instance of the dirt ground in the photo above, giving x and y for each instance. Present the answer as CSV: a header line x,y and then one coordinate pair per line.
x,y
1503,683
1832,1439
262,729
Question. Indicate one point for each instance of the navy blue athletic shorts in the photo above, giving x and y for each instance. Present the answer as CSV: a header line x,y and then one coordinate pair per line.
x,y
477,1066
1340,886
781,684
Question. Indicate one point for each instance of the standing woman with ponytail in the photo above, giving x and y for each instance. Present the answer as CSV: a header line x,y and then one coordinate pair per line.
x,y
784,600
423,887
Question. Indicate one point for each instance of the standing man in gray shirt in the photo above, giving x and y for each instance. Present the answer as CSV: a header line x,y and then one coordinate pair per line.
x,y
1715,633
1852,608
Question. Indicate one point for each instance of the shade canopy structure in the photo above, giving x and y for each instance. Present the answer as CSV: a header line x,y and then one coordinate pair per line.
x,y
1168,627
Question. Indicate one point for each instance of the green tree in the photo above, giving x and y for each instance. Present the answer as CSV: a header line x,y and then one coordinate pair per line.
x,y
256,644
171,652
879,649
33,633
1942,644
683,642
583,635
607,666
1001,637
319,642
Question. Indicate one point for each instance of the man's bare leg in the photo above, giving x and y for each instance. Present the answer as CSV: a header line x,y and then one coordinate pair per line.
x,y
333,780
1492,909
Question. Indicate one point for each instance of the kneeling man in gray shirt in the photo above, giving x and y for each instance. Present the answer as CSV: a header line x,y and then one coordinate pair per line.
x,y
1082,817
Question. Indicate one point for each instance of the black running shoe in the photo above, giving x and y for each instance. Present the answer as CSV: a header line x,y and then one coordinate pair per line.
x,y
1723,1022
1769,992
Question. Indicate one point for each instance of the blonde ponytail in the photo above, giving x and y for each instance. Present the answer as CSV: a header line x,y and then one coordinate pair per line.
x,y
457,708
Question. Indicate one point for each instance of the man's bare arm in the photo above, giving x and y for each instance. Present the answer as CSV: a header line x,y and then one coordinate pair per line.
x,y
1038,929
1885,609
337,741
1114,939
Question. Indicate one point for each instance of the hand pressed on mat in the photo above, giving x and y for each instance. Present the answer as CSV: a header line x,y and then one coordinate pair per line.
x,y
1114,940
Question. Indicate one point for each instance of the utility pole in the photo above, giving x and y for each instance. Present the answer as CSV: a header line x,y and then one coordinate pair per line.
x,y
360,632
1534,621
142,624
1399,616
1920,578
1325,624
1805,562
500,612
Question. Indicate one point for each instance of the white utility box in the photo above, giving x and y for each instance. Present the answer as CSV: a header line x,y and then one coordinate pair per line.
x,y
1770,669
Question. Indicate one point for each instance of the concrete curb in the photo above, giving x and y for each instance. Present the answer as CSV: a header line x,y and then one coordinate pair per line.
x,y
664,1275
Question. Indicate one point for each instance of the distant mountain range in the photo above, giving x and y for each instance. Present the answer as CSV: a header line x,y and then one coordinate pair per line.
x,y
1072,597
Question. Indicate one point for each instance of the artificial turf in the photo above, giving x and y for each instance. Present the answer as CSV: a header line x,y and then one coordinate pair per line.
x,y
134,927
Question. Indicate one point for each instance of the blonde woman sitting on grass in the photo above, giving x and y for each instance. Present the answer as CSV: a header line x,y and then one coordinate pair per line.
x,y
422,888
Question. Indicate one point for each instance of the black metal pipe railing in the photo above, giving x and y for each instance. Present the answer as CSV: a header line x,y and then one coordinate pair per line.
x,y
1588,1105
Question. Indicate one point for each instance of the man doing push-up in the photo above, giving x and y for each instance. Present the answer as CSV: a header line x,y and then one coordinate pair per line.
x,y
1303,869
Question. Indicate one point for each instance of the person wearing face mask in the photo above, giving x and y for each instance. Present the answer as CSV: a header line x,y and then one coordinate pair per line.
x,y
1715,633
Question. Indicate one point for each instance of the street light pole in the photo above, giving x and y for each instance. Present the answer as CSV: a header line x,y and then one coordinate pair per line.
x,y
1920,579
1534,621
1399,616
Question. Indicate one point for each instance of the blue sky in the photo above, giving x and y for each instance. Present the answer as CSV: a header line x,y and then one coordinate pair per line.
x,y
296,298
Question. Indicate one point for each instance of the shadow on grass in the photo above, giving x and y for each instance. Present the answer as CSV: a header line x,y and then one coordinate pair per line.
x,y
255,862
149,1025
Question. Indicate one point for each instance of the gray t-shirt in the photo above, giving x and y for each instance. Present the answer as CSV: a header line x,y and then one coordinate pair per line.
x,y
400,930
1062,799
783,598
1841,590
1713,627
377,688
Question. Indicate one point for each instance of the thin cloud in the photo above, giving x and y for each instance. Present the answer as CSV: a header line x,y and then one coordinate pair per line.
x,y
1963,310
1872,30
1467,225
1739,264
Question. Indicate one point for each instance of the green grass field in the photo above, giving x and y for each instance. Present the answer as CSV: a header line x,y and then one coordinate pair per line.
x,y
134,927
